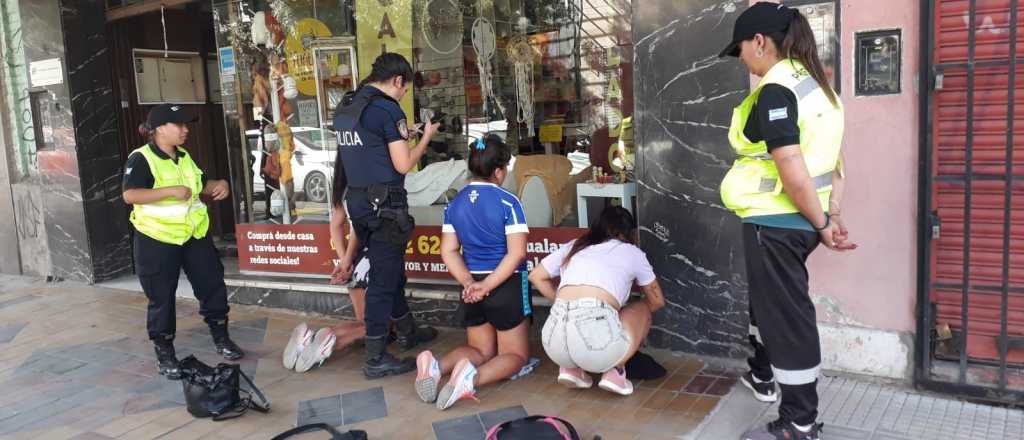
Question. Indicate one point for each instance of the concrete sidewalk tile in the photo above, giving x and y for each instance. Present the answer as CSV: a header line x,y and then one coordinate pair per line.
x,y
886,436
676,382
16,423
91,436
699,384
9,331
460,428
835,432
738,412
682,403
16,300
490,419
659,400
360,406
41,362
721,386
323,410
94,353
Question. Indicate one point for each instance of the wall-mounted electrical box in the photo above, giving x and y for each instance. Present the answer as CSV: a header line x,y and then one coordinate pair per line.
x,y
878,55
176,78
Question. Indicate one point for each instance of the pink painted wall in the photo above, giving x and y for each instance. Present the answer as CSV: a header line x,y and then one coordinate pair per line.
x,y
875,286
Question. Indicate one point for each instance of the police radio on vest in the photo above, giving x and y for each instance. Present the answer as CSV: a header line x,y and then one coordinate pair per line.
x,y
349,138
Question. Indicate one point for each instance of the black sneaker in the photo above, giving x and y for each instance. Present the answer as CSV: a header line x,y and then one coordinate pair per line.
x,y
763,390
780,430
166,362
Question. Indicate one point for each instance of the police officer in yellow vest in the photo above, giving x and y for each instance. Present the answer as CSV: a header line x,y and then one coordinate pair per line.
x,y
163,184
786,187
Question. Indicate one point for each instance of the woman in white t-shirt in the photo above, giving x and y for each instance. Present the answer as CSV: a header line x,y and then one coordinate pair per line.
x,y
592,328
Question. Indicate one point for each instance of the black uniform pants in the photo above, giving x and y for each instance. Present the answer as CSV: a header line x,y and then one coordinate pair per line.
x,y
385,290
159,265
783,328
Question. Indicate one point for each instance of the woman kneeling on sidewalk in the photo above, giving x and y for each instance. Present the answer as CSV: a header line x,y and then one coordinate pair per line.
x,y
591,327
489,224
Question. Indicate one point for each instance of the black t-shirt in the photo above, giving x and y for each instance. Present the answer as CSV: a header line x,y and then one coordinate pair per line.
x,y
137,173
774,118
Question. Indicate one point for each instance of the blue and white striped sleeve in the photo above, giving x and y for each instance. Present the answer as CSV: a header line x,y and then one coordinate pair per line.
x,y
515,217
446,222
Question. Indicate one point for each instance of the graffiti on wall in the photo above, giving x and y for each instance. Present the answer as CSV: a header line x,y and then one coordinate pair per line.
x,y
21,129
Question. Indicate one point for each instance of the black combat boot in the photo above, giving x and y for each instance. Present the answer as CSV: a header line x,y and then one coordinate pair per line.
x,y
225,346
409,335
380,363
166,362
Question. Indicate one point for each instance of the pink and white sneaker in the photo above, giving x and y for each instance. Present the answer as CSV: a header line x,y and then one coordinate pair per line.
x,y
301,337
428,376
460,385
574,378
318,351
615,381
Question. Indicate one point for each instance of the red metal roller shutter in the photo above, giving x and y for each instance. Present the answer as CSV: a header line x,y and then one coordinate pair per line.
x,y
971,177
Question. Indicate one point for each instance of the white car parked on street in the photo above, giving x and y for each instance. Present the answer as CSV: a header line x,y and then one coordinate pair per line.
x,y
312,162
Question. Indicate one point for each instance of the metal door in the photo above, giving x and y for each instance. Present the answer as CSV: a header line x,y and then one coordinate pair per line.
x,y
971,330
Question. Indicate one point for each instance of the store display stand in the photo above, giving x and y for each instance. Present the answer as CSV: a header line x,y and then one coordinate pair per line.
x,y
625,192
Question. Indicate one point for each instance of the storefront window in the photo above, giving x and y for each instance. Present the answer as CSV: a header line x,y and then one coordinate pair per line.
x,y
552,78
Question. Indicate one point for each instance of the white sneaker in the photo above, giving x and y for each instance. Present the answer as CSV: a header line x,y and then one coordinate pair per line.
x,y
460,385
301,337
615,381
574,378
428,376
317,352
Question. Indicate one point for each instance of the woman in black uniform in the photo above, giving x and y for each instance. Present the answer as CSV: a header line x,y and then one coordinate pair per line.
x,y
786,187
164,186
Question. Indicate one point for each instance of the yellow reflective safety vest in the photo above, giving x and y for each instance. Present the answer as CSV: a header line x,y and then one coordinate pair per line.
x,y
753,187
171,220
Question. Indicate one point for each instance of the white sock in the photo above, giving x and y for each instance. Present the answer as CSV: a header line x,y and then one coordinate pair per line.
x,y
804,428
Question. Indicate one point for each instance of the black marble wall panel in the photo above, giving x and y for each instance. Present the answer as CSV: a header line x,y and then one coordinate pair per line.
x,y
68,198
49,193
94,109
684,100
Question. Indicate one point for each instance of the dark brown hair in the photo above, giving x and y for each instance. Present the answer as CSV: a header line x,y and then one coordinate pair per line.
x,y
798,42
339,184
614,222
484,161
389,65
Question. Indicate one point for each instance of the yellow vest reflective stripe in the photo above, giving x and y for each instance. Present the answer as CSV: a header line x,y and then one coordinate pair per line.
x,y
171,220
752,186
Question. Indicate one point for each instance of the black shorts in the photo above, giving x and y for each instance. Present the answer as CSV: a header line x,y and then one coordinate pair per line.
x,y
504,308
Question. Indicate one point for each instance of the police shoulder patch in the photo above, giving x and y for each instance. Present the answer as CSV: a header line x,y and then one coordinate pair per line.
x,y
403,129
778,113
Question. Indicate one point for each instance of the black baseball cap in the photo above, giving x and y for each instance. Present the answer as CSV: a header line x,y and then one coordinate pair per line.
x,y
166,113
762,18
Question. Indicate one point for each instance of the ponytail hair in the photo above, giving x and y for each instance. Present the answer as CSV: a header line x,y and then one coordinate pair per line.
x,y
389,65
614,222
146,131
339,184
487,155
797,42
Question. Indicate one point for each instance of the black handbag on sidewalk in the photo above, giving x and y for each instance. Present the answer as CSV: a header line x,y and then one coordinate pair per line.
x,y
216,392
